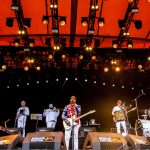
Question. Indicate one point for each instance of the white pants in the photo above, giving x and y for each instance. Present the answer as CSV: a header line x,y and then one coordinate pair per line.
x,y
21,125
119,124
68,135
51,124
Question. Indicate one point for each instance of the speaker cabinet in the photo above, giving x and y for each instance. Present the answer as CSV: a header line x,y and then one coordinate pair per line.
x,y
137,142
44,140
10,141
104,141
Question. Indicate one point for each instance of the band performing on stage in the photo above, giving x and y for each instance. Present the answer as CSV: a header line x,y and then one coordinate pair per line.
x,y
71,121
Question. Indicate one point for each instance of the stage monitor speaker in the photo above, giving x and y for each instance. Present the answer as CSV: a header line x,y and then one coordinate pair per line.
x,y
10,141
44,140
137,142
104,141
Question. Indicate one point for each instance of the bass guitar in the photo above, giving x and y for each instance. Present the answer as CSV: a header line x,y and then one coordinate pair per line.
x,y
73,119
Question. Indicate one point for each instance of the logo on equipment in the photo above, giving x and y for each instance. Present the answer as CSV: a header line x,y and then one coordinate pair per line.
x,y
42,139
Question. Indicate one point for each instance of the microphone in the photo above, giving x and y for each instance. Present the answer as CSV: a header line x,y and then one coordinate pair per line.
x,y
143,92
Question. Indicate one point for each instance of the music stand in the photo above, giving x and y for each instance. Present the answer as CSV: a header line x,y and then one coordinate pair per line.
x,y
36,117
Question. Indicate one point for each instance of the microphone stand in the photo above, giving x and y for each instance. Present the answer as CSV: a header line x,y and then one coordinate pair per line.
x,y
136,104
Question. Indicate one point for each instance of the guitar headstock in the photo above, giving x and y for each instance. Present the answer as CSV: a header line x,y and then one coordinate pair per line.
x,y
92,111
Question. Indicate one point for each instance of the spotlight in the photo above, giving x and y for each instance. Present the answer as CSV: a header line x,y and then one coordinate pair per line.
x,y
101,22
45,19
82,42
76,79
57,79
148,58
121,24
16,42
138,24
38,68
84,21
66,79
94,81
130,1
27,22
26,68
48,41
97,43
4,67
63,42
85,80
62,21
9,22
54,30
106,69
117,69
114,43
81,57
129,44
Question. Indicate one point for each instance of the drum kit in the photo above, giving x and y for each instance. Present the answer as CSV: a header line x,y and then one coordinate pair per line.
x,y
142,126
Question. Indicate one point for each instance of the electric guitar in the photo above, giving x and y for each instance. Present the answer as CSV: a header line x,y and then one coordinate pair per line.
x,y
73,119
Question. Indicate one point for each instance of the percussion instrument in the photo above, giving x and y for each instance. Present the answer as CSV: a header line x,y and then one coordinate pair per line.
x,y
119,115
142,127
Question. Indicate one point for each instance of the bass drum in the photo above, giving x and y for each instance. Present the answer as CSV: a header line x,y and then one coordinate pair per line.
x,y
142,127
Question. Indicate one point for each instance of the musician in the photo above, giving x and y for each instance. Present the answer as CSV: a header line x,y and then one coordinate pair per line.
x,y
119,123
51,115
21,117
72,110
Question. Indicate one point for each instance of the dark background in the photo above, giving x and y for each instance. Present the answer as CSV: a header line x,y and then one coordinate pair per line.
x,y
90,95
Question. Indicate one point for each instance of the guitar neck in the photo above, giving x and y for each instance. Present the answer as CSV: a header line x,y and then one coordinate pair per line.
x,y
82,116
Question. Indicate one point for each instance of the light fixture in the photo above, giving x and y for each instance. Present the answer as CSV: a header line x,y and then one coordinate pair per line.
x,y
84,21
45,19
97,43
135,10
27,22
9,22
15,7
62,20
48,41
16,42
129,44
115,44
138,24
54,30
101,22
91,31
31,42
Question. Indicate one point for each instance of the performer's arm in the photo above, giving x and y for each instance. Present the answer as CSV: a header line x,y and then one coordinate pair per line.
x,y
27,112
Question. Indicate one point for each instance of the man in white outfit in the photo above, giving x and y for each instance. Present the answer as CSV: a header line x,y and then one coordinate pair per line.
x,y
21,117
51,115
121,120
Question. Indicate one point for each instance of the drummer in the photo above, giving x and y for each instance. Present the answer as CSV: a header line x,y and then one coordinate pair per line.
x,y
119,123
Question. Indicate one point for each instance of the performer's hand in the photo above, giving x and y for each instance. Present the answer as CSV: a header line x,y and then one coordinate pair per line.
x,y
67,122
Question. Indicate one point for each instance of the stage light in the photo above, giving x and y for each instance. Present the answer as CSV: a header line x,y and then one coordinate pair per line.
x,y
94,82
117,69
123,86
38,68
66,79
4,67
129,44
101,22
56,47
31,42
138,24
57,79
63,56
130,1
14,7
84,21
88,48
21,32
132,88
46,81
45,19
63,42
85,80
148,58
54,30
97,43
148,1
135,10
94,58
81,57
82,42
115,44
140,67
9,22
37,82
113,85
50,56
62,20
48,41
28,83
76,79
91,31
104,83
106,69
26,68
16,42
27,22
121,24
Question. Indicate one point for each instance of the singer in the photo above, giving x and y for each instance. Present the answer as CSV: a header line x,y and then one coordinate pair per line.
x,y
21,117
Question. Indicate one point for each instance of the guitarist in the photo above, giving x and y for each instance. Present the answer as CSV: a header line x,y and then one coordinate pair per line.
x,y
119,123
70,111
